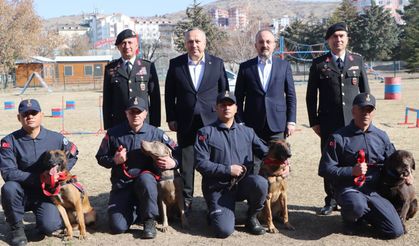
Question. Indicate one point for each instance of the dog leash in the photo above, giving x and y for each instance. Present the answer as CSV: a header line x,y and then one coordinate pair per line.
x,y
53,185
360,180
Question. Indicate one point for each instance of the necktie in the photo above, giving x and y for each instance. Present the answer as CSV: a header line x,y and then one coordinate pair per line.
x,y
339,63
128,64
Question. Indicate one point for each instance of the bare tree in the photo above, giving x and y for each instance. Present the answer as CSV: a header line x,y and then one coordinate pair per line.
x,y
19,30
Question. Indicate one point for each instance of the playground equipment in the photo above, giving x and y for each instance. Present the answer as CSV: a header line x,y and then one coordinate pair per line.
x,y
70,105
406,116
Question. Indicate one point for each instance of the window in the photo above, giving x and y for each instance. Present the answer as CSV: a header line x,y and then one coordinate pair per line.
x,y
68,70
88,70
98,70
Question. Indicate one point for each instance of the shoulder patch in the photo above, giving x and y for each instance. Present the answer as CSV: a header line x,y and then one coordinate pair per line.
x,y
354,53
65,141
5,145
165,137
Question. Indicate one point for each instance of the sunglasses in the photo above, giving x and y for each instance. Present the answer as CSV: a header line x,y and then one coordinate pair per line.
x,y
30,112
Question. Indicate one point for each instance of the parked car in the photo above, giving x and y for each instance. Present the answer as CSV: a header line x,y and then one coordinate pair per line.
x,y
231,80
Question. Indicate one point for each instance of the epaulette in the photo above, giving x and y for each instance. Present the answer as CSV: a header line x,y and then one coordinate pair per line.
x,y
354,53
145,60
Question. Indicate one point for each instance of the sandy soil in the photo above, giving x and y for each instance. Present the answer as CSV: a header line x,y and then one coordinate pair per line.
x,y
305,187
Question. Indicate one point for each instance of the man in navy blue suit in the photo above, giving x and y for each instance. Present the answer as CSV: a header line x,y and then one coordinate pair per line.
x,y
193,82
265,92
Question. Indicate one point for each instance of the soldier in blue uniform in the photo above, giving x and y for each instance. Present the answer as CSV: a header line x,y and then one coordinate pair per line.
x,y
334,81
21,154
352,160
224,157
133,176
128,77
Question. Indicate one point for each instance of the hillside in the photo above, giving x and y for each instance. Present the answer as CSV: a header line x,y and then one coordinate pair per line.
x,y
263,10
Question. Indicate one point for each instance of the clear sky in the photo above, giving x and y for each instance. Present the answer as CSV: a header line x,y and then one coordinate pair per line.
x,y
55,8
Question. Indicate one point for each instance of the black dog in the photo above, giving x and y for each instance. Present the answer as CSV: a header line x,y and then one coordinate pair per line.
x,y
393,184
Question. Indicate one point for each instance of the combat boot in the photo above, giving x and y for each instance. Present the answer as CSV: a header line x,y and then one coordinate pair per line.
x,y
253,225
149,229
17,234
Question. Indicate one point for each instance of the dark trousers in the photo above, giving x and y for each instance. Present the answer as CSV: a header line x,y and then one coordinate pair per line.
x,y
15,200
138,200
221,204
329,200
186,141
376,210
266,135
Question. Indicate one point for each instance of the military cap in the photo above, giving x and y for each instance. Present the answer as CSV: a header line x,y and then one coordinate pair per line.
x,y
364,99
226,96
137,103
29,105
341,26
127,33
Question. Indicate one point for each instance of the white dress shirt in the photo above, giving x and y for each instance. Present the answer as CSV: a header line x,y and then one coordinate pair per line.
x,y
196,70
264,69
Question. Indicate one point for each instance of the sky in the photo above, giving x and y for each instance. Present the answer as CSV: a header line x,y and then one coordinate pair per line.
x,y
55,8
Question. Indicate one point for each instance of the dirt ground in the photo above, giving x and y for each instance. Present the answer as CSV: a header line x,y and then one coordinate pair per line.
x,y
305,186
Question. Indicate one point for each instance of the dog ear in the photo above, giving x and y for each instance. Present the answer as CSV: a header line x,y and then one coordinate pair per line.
x,y
413,164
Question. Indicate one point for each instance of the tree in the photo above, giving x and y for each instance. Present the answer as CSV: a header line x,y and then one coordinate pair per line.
x,y
410,41
196,17
310,32
19,30
346,12
375,33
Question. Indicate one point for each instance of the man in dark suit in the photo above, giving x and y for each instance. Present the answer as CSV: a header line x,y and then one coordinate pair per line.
x,y
265,92
128,77
192,84
336,78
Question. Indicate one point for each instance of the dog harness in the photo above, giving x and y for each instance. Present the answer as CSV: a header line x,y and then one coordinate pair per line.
x,y
127,174
52,188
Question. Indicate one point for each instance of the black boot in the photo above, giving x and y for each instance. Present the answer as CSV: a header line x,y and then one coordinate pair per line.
x,y
253,225
17,234
149,229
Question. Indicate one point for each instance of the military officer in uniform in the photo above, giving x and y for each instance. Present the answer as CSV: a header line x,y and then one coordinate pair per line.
x,y
134,176
224,154
342,164
334,81
128,77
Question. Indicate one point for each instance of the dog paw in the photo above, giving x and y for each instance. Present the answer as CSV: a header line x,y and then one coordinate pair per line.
x,y
83,237
288,226
164,229
67,238
271,230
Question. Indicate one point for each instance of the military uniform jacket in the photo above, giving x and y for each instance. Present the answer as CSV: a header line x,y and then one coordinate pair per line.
x,y
183,101
218,147
335,90
21,155
137,161
118,88
341,153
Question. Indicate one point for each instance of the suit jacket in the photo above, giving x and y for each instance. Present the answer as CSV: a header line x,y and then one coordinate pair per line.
x,y
118,88
276,106
335,89
183,101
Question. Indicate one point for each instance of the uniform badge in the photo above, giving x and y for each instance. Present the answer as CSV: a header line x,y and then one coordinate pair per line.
x,y
351,58
139,62
354,68
354,81
201,137
332,143
368,98
29,104
5,145
142,86
65,141
165,137
143,71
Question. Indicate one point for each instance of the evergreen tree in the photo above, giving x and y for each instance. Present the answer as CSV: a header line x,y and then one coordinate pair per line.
x,y
375,33
410,40
197,17
346,12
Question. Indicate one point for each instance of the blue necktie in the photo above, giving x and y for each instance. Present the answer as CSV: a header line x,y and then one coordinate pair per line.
x,y
339,63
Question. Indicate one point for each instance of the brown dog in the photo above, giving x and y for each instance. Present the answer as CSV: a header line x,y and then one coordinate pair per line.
x,y
66,193
393,184
276,202
170,185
